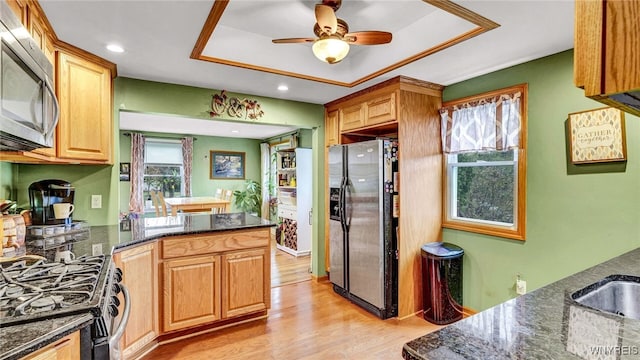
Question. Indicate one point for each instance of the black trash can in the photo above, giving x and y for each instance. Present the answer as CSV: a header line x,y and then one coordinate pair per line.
x,y
442,282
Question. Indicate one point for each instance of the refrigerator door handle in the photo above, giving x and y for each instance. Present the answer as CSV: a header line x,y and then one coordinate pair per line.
x,y
347,203
343,220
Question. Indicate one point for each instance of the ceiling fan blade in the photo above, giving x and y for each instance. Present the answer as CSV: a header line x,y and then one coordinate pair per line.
x,y
326,18
368,37
292,40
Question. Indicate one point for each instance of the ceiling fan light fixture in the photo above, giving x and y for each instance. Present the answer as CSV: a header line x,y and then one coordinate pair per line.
x,y
330,49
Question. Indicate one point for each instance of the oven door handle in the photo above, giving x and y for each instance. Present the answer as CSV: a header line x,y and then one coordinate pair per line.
x,y
115,338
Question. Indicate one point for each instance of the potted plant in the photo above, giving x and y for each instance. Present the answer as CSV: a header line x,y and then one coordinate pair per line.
x,y
249,199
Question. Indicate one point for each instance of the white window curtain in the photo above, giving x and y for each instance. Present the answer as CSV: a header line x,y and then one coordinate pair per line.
x,y
187,161
486,125
265,161
136,202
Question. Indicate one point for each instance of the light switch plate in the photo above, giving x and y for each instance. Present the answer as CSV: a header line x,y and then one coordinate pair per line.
x,y
96,249
96,201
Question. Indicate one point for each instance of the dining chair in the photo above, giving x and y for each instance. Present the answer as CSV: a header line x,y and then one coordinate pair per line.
x,y
158,202
219,209
218,194
227,195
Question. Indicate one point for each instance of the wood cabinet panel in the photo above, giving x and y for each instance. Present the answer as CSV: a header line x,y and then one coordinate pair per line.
x,y
84,93
186,245
246,283
606,60
622,46
139,266
332,128
352,117
191,292
67,348
19,7
381,110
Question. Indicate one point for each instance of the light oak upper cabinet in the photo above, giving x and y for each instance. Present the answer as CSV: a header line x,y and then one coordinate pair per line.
x,y
84,93
352,117
191,291
139,266
606,52
381,109
19,7
245,284
332,128
67,348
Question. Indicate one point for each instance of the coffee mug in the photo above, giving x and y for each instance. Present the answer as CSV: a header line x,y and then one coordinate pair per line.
x,y
62,210
64,256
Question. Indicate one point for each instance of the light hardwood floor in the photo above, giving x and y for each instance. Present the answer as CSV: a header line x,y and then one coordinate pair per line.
x,y
288,269
307,321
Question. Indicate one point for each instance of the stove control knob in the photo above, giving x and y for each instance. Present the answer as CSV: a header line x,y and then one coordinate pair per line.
x,y
118,274
115,301
113,310
116,289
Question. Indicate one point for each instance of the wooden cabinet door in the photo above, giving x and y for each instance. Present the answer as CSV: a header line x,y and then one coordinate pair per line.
x,y
37,29
139,266
84,92
352,117
381,110
67,348
19,7
191,291
332,131
246,282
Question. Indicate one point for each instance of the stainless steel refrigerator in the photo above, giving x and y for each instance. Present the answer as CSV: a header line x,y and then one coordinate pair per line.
x,y
363,193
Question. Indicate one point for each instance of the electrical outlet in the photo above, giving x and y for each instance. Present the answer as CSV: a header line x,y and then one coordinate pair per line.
x,y
96,201
96,249
521,287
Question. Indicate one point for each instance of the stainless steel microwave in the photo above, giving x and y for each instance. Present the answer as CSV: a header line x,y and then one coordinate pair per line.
x,y
29,109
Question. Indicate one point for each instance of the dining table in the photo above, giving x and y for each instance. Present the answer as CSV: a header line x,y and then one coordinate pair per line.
x,y
196,203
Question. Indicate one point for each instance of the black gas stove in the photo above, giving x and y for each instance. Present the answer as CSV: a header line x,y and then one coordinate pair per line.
x,y
33,290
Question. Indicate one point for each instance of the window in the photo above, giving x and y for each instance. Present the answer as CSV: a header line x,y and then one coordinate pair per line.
x,y
484,141
163,169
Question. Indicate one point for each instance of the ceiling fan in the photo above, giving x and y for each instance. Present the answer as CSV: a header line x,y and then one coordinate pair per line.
x,y
333,36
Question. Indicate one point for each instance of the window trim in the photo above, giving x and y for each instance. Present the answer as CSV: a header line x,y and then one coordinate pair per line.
x,y
518,231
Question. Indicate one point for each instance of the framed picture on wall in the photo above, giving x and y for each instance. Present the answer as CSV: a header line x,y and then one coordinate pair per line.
x,y
597,136
226,165
125,171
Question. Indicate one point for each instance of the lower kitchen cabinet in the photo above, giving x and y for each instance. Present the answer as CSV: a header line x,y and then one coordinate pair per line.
x,y
139,266
246,283
191,291
67,348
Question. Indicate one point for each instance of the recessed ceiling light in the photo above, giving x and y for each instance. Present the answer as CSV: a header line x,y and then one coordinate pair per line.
x,y
283,88
235,131
115,48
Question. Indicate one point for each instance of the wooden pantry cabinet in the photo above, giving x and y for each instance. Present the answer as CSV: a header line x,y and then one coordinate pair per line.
x,y
606,52
83,84
405,109
139,267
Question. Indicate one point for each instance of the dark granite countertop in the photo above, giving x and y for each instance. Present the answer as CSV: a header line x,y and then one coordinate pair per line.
x,y
19,340
543,324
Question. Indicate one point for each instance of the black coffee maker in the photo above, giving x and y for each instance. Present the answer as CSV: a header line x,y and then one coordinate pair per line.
x,y
43,194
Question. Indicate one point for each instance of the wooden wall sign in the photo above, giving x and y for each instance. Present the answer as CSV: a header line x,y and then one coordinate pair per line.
x,y
597,136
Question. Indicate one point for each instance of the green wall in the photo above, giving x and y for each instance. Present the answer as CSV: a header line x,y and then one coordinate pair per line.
x,y
201,184
573,221
6,181
160,98
87,180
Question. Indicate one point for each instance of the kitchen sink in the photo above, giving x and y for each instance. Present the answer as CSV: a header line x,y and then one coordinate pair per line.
x,y
615,294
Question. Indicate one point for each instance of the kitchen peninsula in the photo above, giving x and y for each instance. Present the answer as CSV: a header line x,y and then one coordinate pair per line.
x,y
543,324
186,274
